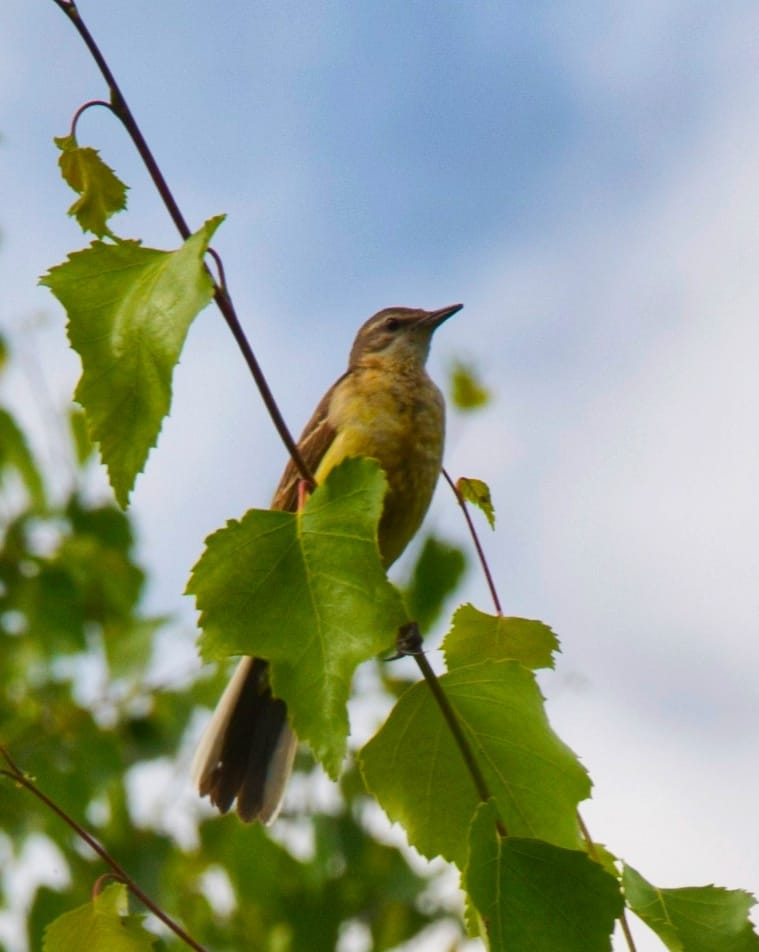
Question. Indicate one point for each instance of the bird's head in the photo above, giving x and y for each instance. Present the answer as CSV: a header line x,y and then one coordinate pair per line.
x,y
399,334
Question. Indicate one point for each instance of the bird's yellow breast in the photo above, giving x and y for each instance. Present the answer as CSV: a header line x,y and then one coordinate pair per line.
x,y
398,418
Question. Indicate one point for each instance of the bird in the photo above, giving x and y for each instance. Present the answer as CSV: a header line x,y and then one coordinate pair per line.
x,y
385,406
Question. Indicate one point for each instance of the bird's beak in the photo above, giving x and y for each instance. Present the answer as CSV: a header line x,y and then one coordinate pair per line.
x,y
433,319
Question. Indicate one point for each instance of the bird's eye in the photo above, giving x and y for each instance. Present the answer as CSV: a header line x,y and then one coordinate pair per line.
x,y
392,323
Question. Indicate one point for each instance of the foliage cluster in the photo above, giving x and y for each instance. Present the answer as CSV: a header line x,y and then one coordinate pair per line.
x,y
80,709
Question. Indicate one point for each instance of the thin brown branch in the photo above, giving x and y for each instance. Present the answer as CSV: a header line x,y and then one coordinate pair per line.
x,y
594,855
83,108
102,881
476,539
222,278
410,643
625,926
592,850
15,774
223,301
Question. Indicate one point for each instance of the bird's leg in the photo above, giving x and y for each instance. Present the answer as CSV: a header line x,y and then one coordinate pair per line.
x,y
303,492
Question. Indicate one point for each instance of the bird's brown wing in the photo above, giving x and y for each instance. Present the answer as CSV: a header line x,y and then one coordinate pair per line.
x,y
315,440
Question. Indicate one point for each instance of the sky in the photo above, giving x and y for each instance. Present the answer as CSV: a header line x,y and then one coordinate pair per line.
x,y
583,177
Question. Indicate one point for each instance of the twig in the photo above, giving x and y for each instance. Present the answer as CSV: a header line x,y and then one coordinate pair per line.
x,y
101,882
121,109
476,539
625,926
594,855
409,642
15,774
445,705
84,107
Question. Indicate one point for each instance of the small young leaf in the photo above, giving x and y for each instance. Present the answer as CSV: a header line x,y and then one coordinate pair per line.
x,y
537,897
306,591
478,493
476,637
414,768
436,574
101,192
102,925
15,454
693,918
129,311
467,392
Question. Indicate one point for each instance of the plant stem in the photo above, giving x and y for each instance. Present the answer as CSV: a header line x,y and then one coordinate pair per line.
x,y
476,539
445,704
223,300
17,776
594,855
410,643
625,926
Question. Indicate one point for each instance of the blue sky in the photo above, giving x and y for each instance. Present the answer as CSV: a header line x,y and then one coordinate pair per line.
x,y
582,176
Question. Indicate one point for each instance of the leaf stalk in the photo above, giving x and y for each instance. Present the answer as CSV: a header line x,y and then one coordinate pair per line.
x,y
476,540
15,774
409,642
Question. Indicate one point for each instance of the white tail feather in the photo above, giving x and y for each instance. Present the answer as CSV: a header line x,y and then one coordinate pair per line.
x,y
280,768
209,748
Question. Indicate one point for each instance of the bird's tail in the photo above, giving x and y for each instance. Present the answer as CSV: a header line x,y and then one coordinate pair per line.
x,y
247,750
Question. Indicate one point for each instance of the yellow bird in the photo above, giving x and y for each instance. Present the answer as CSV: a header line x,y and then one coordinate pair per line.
x,y
384,406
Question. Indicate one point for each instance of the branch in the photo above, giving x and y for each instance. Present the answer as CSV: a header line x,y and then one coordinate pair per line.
x,y
594,855
223,301
446,707
15,774
476,539
84,107
410,643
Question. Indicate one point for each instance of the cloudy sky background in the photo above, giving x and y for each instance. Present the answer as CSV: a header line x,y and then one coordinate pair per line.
x,y
584,179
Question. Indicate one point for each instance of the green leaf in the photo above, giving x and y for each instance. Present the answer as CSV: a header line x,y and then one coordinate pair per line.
x,y
416,771
537,897
15,454
306,903
110,526
99,926
81,583
306,591
48,905
108,584
476,636
467,391
101,192
693,918
129,646
436,574
478,493
129,311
